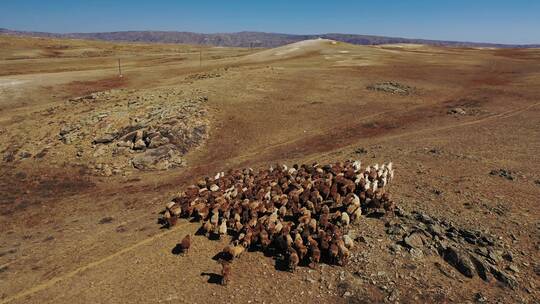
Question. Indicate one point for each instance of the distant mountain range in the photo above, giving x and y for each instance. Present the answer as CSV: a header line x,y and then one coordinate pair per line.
x,y
247,39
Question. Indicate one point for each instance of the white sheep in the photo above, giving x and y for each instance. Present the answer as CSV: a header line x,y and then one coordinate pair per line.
x,y
345,219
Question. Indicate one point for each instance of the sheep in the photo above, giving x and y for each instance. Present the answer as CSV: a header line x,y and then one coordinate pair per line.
x,y
302,211
315,256
233,251
185,244
345,219
225,272
293,259
349,243
223,228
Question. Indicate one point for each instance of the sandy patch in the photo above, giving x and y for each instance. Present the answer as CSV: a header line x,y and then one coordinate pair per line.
x,y
11,82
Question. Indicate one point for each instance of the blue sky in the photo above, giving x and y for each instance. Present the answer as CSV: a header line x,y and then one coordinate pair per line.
x,y
510,21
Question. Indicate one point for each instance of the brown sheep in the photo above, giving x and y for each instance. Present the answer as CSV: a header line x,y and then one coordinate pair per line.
x,y
185,244
293,259
225,272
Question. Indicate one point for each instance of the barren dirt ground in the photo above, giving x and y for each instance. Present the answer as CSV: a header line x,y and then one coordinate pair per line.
x,y
79,223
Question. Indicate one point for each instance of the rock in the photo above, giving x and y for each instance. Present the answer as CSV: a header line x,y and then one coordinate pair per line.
x,y
107,171
105,139
504,278
106,220
508,256
513,268
157,141
414,240
123,143
391,87
481,268
129,137
99,151
435,230
509,175
495,256
139,134
480,298
65,130
459,260
139,145
161,158
457,110
360,150
396,229
25,154
90,97
537,269
394,248
214,188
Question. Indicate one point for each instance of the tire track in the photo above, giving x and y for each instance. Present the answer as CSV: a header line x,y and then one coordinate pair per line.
x,y
502,115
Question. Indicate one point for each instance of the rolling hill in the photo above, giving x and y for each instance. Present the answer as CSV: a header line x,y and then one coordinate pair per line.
x,y
246,39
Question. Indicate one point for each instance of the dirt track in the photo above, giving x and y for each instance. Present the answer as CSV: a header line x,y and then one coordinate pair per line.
x,y
71,236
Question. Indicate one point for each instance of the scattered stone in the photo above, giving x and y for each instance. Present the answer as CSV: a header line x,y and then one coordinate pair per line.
x,y
481,268
506,279
139,145
200,76
25,154
105,139
394,248
480,298
460,260
157,141
508,256
414,240
513,268
106,220
537,269
107,171
457,110
360,150
391,87
123,143
161,158
509,175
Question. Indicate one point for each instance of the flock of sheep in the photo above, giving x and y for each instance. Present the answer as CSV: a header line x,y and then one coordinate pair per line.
x,y
300,214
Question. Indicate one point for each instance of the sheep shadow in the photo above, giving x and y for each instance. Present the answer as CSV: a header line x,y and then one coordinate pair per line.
x,y
281,264
213,278
177,250
222,256
200,231
163,223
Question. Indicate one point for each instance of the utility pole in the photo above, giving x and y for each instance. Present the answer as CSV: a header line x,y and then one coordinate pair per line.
x,y
119,69
200,56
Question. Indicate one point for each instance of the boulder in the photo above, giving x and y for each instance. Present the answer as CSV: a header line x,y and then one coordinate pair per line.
x,y
105,139
157,141
460,260
161,158
139,145
457,110
123,143
414,240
